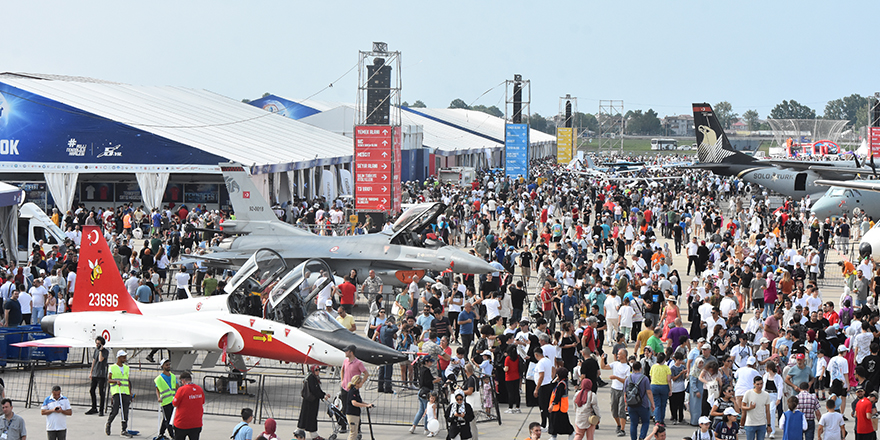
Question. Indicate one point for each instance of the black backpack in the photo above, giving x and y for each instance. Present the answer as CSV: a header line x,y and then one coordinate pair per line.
x,y
632,393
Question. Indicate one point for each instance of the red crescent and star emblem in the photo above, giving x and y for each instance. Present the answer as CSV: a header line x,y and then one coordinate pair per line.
x,y
106,335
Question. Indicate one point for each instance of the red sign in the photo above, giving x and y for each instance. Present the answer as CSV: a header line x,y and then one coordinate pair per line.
x,y
874,139
373,167
395,185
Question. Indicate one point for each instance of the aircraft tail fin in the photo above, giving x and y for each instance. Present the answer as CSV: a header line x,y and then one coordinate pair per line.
x,y
247,202
99,286
713,146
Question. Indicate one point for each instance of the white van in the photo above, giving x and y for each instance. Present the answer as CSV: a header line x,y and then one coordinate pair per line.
x,y
458,176
34,225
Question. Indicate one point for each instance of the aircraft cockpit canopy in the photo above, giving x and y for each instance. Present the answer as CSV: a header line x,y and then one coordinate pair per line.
x,y
413,221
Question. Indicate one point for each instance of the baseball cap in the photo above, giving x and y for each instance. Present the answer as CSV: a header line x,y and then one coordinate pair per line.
x,y
799,356
872,394
121,353
162,362
352,348
763,340
486,353
842,348
705,420
299,433
329,303
750,361
729,412
706,347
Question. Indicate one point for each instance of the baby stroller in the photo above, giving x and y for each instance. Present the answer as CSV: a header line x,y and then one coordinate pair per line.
x,y
336,413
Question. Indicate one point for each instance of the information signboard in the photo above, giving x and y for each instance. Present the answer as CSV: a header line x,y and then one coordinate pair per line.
x,y
373,167
564,143
516,150
875,141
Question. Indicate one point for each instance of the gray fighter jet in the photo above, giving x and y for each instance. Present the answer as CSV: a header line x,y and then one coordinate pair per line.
x,y
395,256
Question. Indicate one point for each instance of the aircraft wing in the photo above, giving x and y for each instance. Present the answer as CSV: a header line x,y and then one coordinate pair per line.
x,y
75,343
852,170
867,185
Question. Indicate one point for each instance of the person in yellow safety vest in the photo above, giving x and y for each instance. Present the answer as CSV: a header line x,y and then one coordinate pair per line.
x,y
120,392
166,387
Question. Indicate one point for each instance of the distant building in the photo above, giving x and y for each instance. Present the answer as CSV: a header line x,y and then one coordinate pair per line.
x,y
681,125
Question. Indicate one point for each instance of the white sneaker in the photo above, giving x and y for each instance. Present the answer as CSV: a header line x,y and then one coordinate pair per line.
x,y
772,435
412,430
508,411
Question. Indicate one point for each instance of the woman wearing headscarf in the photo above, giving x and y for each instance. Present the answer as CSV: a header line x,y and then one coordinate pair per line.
x,y
586,406
308,412
459,417
269,433
558,421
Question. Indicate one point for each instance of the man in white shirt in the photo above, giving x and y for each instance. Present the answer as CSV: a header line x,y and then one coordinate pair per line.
x,y
728,305
56,408
38,295
544,373
745,376
131,284
493,306
612,303
620,370
182,279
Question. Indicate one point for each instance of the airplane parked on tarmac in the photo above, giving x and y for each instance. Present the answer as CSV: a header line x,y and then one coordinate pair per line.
x,y
395,256
869,201
791,178
220,325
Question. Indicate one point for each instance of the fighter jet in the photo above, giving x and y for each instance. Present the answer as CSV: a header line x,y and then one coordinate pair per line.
x,y
861,194
395,256
223,324
787,177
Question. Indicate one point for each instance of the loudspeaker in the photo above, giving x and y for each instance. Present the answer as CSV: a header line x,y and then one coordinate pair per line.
x,y
517,100
875,113
568,114
379,93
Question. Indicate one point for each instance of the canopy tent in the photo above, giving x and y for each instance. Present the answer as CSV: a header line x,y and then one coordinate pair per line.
x,y
10,197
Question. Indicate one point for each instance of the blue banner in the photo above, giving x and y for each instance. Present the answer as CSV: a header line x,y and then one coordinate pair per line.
x,y
283,107
34,129
516,150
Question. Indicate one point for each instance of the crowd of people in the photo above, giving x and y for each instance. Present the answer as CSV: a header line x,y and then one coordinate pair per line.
x,y
584,287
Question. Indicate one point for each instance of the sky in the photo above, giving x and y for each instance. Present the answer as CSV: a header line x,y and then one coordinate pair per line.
x,y
650,54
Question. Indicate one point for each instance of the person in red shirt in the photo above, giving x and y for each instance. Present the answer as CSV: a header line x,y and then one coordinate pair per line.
x,y
866,425
347,290
512,380
830,314
189,402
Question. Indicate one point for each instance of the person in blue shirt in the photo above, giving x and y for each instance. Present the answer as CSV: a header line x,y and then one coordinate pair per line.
x,y
466,326
569,304
242,430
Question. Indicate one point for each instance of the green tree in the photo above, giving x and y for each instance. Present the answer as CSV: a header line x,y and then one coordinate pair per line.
x,y
404,104
458,103
847,108
538,122
792,110
586,120
246,101
266,94
419,104
751,118
642,123
724,113
493,110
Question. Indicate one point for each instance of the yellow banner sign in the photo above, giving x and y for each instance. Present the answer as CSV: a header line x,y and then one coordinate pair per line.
x,y
564,145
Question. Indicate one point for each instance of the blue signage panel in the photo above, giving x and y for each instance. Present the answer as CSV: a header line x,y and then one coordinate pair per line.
x,y
128,193
35,129
516,150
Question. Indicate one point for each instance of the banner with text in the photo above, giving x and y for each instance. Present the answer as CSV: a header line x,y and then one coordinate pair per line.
x,y
564,144
875,142
516,150
373,167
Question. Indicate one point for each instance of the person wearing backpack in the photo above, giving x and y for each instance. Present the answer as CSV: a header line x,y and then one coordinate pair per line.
x,y
639,401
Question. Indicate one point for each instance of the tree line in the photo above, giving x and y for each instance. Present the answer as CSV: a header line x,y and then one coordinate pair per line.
x,y
854,108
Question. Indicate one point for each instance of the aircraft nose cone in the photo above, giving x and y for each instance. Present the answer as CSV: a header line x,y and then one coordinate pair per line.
x,y
48,324
865,249
466,263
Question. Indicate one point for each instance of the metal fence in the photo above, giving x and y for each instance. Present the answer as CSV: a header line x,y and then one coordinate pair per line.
x,y
272,392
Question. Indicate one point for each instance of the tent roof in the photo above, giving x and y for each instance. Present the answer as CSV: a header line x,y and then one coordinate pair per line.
x,y
9,194
197,118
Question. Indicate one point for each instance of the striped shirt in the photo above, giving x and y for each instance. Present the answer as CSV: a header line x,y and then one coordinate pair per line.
x,y
808,404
